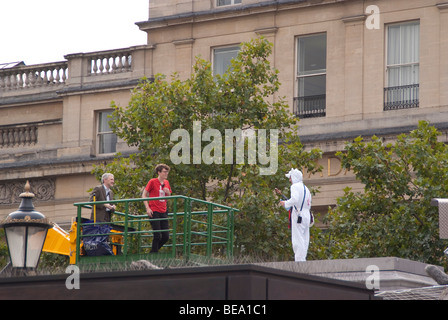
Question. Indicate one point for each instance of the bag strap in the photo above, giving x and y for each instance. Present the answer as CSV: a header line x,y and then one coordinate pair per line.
x,y
304,195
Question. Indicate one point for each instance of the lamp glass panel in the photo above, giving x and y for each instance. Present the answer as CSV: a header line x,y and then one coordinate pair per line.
x,y
16,244
36,239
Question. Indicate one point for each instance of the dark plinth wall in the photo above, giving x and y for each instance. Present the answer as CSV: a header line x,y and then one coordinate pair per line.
x,y
237,282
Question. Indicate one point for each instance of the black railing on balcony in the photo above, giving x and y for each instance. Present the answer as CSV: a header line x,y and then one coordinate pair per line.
x,y
402,97
310,106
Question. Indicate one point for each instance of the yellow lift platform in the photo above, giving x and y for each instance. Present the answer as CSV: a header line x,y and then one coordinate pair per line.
x,y
62,242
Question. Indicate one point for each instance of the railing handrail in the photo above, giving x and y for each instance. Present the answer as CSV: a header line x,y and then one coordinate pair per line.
x,y
401,97
406,86
33,67
153,199
310,106
102,52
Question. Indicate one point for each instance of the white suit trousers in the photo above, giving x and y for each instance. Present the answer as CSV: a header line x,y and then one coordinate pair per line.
x,y
300,234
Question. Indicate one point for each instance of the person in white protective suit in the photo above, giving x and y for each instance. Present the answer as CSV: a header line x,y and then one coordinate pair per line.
x,y
301,217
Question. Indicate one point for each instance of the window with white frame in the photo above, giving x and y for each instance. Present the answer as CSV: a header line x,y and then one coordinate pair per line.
x,y
222,58
106,139
311,76
220,3
402,66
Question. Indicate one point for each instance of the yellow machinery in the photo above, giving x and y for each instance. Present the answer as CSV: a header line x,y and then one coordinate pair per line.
x,y
62,242
58,241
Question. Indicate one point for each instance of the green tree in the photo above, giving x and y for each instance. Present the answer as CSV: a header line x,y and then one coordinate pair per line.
x,y
241,98
393,216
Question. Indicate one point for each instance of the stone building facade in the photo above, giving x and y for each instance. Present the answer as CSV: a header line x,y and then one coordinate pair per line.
x,y
347,68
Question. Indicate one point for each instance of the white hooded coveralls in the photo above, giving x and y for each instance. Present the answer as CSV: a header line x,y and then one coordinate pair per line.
x,y
300,232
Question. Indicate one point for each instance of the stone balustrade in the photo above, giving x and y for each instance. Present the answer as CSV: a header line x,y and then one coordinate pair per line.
x,y
110,62
79,69
41,75
22,135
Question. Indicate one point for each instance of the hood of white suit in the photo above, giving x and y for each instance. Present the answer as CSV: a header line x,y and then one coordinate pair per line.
x,y
295,175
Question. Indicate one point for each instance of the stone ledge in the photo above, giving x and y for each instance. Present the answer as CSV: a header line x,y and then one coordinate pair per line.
x,y
395,273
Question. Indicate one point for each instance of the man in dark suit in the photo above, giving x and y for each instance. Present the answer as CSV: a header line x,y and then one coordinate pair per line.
x,y
103,192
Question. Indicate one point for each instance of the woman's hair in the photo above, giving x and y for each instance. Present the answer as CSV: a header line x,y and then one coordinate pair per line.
x,y
161,167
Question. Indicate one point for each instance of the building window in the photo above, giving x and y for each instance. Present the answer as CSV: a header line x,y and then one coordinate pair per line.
x,y
402,71
220,3
222,58
107,140
311,76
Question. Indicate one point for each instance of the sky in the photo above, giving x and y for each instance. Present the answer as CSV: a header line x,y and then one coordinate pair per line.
x,y
44,31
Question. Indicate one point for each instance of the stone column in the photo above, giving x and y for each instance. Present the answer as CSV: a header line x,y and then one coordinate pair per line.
x,y
184,57
443,8
353,71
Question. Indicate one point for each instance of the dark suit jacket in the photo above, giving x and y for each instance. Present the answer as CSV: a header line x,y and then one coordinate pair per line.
x,y
101,214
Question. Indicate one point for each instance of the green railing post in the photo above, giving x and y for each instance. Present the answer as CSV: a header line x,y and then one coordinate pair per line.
x,y
139,239
126,218
230,221
187,229
174,236
78,235
209,229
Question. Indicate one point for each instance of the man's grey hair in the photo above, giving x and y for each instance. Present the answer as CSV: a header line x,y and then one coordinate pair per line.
x,y
105,176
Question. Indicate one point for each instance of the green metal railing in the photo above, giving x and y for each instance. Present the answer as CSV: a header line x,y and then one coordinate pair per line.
x,y
206,231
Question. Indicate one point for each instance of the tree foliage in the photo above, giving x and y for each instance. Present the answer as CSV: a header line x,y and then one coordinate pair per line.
x,y
393,215
241,98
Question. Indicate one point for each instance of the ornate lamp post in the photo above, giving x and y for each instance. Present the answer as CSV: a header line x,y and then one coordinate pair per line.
x,y
25,230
